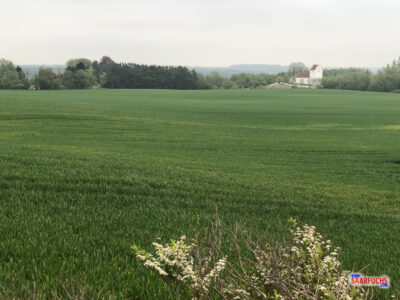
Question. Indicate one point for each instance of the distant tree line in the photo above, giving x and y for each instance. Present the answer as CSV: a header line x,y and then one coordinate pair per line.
x,y
82,73
347,79
134,76
240,81
386,79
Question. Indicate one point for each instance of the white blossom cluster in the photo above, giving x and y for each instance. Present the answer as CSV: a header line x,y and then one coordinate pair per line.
x,y
307,268
176,260
316,267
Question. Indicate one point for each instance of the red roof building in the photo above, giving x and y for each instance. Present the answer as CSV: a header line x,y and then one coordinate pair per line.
x,y
311,78
303,75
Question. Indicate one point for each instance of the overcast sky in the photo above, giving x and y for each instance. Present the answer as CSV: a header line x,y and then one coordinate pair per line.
x,y
202,32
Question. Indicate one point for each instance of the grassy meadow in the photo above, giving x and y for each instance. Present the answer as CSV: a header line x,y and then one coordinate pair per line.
x,y
86,174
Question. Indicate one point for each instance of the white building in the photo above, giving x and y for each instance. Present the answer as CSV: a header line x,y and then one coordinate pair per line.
x,y
311,78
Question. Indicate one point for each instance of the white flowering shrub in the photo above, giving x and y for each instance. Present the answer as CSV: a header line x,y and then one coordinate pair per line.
x,y
315,268
306,268
179,263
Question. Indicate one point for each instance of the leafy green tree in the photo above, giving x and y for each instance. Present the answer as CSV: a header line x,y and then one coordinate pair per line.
x,y
100,68
21,74
24,82
388,78
80,63
78,79
297,67
10,81
228,84
215,80
46,79
68,79
202,82
242,80
9,76
79,74
96,70
105,63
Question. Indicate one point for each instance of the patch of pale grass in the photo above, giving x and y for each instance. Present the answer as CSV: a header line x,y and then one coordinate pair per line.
x,y
390,127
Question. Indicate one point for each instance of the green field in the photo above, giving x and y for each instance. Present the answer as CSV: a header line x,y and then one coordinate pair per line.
x,y
86,174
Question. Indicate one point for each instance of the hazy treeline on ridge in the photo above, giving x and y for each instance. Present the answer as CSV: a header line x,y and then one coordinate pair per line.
x,y
82,73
